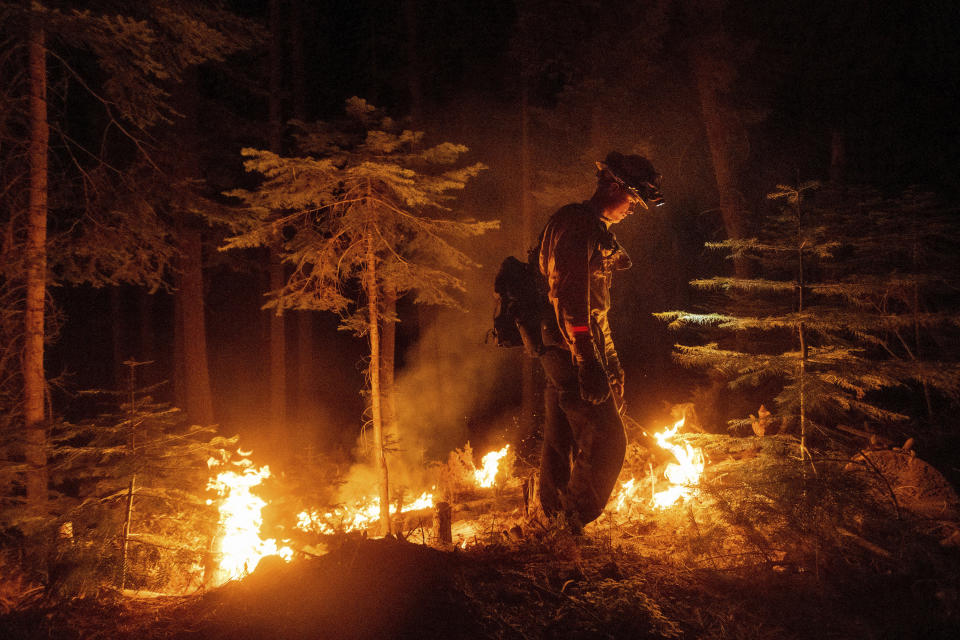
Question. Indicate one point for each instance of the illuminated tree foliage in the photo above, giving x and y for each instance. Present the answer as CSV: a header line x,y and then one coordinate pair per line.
x,y
853,296
127,504
96,90
360,217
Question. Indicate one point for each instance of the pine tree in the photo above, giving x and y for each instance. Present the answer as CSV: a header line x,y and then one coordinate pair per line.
x,y
128,487
358,214
126,65
905,272
830,316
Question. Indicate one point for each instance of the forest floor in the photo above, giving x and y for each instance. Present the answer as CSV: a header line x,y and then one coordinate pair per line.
x,y
698,570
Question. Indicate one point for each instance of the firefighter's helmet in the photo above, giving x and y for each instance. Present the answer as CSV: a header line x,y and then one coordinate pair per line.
x,y
635,174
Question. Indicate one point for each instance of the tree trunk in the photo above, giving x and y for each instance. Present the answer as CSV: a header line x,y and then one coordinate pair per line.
x,y
374,330
801,333
34,381
195,395
298,77
275,103
179,351
413,63
132,487
198,400
278,341
711,74
278,350
388,352
306,345
373,19
528,373
306,402
148,337
116,336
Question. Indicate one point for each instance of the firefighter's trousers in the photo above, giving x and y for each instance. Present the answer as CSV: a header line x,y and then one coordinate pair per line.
x,y
583,445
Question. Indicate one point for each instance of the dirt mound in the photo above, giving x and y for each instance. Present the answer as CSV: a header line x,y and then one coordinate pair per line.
x,y
364,589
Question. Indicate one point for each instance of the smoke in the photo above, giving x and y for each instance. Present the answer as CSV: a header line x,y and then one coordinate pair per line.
x,y
450,387
451,375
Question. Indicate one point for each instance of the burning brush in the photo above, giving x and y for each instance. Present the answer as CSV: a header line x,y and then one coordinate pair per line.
x,y
238,545
681,476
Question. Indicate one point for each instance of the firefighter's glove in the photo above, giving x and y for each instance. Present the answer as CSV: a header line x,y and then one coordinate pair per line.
x,y
594,385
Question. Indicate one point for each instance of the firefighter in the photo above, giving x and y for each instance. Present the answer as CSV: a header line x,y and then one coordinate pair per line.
x,y
584,440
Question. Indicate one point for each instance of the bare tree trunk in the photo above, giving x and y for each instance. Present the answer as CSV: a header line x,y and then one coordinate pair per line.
x,y
801,333
375,397
306,367
276,77
132,487
278,341
148,339
388,352
116,336
196,396
278,350
179,350
306,347
414,87
34,381
298,79
198,400
710,73
527,379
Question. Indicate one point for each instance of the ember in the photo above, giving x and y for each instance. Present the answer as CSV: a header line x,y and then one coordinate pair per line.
x,y
239,545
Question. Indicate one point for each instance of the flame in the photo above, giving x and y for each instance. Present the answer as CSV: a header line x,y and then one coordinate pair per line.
x,y
682,475
360,514
357,516
486,475
627,495
239,545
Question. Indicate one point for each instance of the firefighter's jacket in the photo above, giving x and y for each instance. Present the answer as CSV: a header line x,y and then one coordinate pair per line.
x,y
578,255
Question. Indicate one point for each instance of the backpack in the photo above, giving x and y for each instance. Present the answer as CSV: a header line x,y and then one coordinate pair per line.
x,y
520,291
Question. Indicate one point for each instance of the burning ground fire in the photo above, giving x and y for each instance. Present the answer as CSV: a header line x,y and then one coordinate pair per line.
x,y
238,543
682,476
359,515
239,547
364,512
